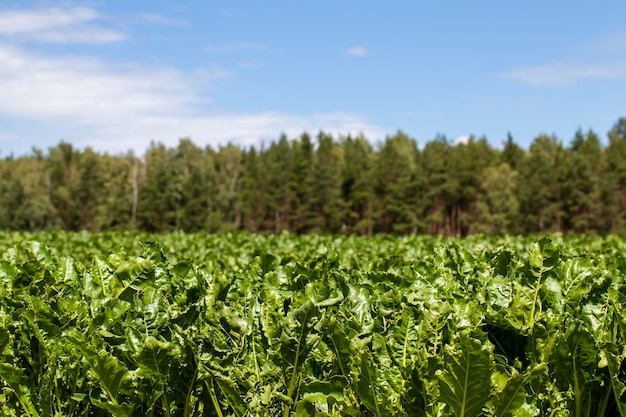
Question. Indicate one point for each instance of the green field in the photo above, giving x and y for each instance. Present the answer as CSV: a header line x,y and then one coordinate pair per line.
x,y
129,324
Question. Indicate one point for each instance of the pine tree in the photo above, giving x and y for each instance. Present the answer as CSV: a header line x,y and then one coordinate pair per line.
x,y
119,198
159,193
469,161
62,168
228,170
253,191
327,181
497,209
438,187
512,154
301,183
396,187
279,163
358,185
583,185
540,186
614,181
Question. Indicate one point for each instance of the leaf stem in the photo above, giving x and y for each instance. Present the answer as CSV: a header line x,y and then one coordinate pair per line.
x,y
605,401
187,411
216,404
294,372
532,311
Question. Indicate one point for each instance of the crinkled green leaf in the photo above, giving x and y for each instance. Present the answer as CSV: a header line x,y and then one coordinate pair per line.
x,y
368,388
154,358
513,396
131,276
110,373
19,386
465,381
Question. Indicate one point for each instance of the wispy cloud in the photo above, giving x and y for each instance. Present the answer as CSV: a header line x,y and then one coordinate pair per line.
x,y
595,60
115,108
250,65
82,88
56,25
236,47
613,43
91,35
566,73
357,51
25,21
159,19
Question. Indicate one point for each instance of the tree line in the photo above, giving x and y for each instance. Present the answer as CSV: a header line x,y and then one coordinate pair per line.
x,y
327,185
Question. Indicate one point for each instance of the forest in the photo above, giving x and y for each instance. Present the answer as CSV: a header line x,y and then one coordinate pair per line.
x,y
326,184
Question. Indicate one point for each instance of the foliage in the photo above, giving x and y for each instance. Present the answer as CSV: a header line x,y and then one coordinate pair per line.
x,y
245,325
326,184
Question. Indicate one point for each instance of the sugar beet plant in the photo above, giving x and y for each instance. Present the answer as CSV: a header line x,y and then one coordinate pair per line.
x,y
243,325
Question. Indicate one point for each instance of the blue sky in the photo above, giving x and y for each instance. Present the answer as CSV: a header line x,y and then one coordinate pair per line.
x,y
117,75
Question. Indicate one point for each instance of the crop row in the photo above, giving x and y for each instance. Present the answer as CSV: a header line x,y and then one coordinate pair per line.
x,y
242,325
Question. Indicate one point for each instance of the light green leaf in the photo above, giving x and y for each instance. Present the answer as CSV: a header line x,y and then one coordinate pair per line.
x,y
513,396
367,387
154,358
14,378
465,382
110,373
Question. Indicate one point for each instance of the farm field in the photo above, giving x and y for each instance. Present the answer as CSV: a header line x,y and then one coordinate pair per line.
x,y
133,324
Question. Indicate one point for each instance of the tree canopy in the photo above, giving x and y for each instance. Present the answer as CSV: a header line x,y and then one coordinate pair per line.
x,y
328,185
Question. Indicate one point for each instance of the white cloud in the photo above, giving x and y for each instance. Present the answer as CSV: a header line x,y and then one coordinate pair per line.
x,y
566,73
40,86
116,108
462,140
236,47
23,21
56,25
79,35
357,51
